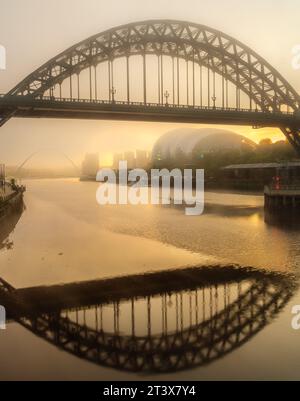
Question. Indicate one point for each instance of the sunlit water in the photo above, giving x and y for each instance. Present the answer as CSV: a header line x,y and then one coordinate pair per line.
x,y
63,236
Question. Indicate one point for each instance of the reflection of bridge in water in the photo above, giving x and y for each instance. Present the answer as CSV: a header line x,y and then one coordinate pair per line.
x,y
156,322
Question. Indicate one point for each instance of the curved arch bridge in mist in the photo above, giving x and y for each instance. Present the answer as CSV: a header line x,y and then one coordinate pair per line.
x,y
159,70
156,322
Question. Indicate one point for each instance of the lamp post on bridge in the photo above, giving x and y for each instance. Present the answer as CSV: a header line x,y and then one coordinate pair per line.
x,y
52,97
214,99
113,92
167,95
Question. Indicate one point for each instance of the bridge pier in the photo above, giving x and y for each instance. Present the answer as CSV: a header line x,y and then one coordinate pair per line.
x,y
293,136
284,198
282,206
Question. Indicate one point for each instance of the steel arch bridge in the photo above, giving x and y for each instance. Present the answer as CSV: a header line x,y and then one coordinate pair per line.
x,y
171,71
32,155
215,311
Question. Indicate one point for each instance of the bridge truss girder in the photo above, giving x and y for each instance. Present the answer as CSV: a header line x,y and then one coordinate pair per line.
x,y
192,42
205,47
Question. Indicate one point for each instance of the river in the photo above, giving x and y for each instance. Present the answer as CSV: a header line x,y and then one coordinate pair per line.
x,y
63,236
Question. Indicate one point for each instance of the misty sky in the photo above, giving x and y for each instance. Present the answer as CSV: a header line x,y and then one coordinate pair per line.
x,y
34,31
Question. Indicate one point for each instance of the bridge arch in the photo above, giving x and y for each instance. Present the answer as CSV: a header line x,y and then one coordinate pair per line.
x,y
207,68
197,44
215,310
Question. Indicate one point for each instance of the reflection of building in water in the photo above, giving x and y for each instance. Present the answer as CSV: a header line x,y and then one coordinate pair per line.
x,y
158,322
90,166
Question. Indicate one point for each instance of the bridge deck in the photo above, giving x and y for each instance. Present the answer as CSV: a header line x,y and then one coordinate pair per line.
x,y
50,299
26,107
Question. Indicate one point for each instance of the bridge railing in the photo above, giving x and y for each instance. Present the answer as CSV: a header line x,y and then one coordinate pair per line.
x,y
151,105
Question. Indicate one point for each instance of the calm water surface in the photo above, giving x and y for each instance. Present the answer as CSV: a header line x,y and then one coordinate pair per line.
x,y
63,237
